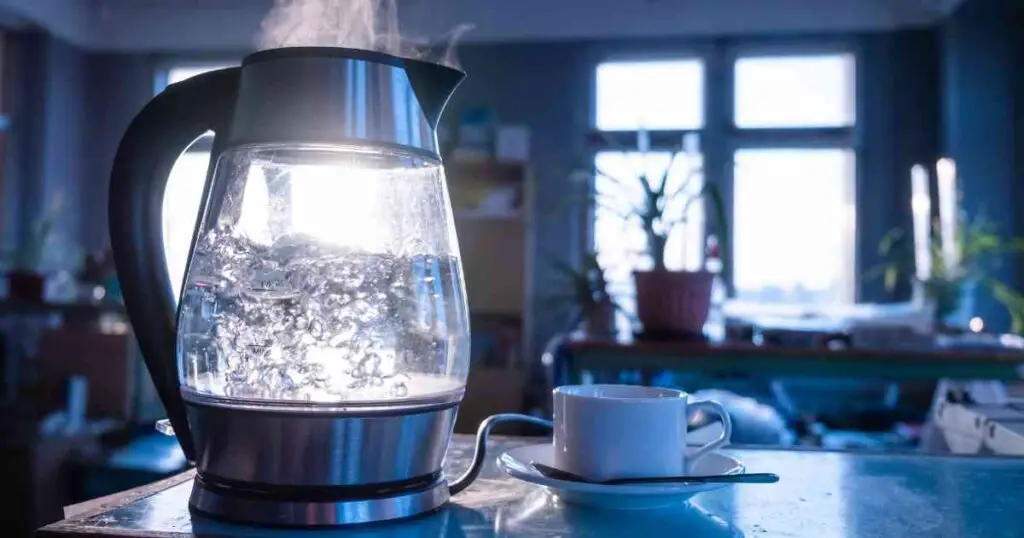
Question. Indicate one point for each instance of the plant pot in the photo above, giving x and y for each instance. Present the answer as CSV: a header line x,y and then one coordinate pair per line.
x,y
673,303
26,286
599,322
954,302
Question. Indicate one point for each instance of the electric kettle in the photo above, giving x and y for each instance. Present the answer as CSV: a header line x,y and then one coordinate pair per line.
x,y
313,365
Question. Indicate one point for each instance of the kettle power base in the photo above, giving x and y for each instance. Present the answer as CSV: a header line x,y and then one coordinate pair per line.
x,y
249,507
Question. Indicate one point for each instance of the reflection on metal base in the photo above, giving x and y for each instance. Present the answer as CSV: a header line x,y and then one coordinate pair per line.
x,y
319,502
243,507
294,447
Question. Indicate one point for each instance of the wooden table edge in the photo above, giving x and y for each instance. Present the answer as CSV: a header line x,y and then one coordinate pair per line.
x,y
751,350
77,512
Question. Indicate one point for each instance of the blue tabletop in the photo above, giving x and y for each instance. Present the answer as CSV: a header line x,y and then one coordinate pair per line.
x,y
820,495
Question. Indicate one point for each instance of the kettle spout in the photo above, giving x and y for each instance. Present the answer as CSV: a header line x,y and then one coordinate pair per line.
x,y
433,84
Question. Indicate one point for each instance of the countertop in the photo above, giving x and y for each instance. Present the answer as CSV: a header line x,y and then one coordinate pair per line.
x,y
820,495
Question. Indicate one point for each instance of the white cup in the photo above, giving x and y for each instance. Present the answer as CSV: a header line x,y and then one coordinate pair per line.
x,y
604,432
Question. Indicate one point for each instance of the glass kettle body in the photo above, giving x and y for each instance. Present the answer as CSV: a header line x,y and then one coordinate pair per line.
x,y
326,275
321,342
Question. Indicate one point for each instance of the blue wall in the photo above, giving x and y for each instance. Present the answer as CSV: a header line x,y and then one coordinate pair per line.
x,y
25,81
984,108
68,110
900,118
65,146
47,141
118,86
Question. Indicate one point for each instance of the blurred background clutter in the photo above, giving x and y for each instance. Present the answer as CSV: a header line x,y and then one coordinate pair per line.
x,y
804,210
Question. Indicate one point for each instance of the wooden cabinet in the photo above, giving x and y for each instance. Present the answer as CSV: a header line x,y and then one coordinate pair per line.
x,y
492,216
494,260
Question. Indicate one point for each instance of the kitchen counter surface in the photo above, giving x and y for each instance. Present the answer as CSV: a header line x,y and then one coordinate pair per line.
x,y
820,495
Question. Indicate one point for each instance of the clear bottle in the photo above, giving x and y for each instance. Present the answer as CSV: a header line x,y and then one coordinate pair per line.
x,y
714,327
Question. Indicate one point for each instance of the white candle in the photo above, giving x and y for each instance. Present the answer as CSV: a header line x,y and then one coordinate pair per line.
x,y
946,169
921,205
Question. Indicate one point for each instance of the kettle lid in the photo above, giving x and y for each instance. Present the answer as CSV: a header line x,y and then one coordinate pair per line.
x,y
341,96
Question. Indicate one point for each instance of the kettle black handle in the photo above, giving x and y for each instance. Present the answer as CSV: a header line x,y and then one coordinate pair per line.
x,y
153,142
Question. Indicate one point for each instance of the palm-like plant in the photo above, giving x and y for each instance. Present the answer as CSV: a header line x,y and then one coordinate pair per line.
x,y
662,208
981,250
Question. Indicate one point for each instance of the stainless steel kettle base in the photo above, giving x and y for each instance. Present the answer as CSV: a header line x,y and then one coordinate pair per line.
x,y
243,506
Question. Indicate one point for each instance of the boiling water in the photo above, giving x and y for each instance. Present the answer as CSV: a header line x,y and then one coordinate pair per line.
x,y
303,320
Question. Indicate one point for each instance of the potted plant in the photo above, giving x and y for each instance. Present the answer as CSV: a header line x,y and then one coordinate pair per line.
x,y
25,279
587,294
981,250
669,303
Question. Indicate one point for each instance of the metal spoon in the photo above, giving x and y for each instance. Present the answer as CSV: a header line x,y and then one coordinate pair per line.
x,y
748,478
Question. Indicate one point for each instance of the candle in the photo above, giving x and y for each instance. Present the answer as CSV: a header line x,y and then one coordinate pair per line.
x,y
946,169
921,205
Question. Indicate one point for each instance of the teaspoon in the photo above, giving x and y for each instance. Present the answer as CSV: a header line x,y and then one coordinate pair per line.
x,y
748,478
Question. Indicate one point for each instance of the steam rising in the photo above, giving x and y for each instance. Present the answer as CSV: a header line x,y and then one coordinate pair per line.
x,y
358,24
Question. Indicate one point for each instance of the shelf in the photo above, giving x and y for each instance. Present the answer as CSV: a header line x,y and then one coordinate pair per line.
x,y
485,170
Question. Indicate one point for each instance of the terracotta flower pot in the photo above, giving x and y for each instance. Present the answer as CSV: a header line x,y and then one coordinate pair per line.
x,y
25,286
673,303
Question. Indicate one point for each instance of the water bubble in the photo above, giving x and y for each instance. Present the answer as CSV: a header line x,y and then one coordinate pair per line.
x,y
399,390
312,322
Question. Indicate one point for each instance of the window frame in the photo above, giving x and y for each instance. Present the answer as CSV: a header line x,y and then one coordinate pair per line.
x,y
842,137
721,138
792,137
661,140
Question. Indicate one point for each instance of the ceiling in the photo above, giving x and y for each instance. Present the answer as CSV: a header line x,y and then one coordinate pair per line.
x,y
212,25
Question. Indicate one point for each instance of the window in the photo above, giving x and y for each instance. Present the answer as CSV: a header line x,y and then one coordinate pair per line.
x,y
184,191
780,258
790,148
639,96
656,95
795,91
793,182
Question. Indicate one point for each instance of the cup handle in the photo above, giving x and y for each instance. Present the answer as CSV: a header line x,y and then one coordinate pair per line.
x,y
710,406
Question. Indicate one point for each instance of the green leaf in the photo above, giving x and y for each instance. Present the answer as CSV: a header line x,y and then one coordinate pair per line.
x,y
1012,300
1016,244
892,275
890,240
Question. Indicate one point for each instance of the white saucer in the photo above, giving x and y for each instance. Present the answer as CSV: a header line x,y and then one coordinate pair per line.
x,y
516,463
